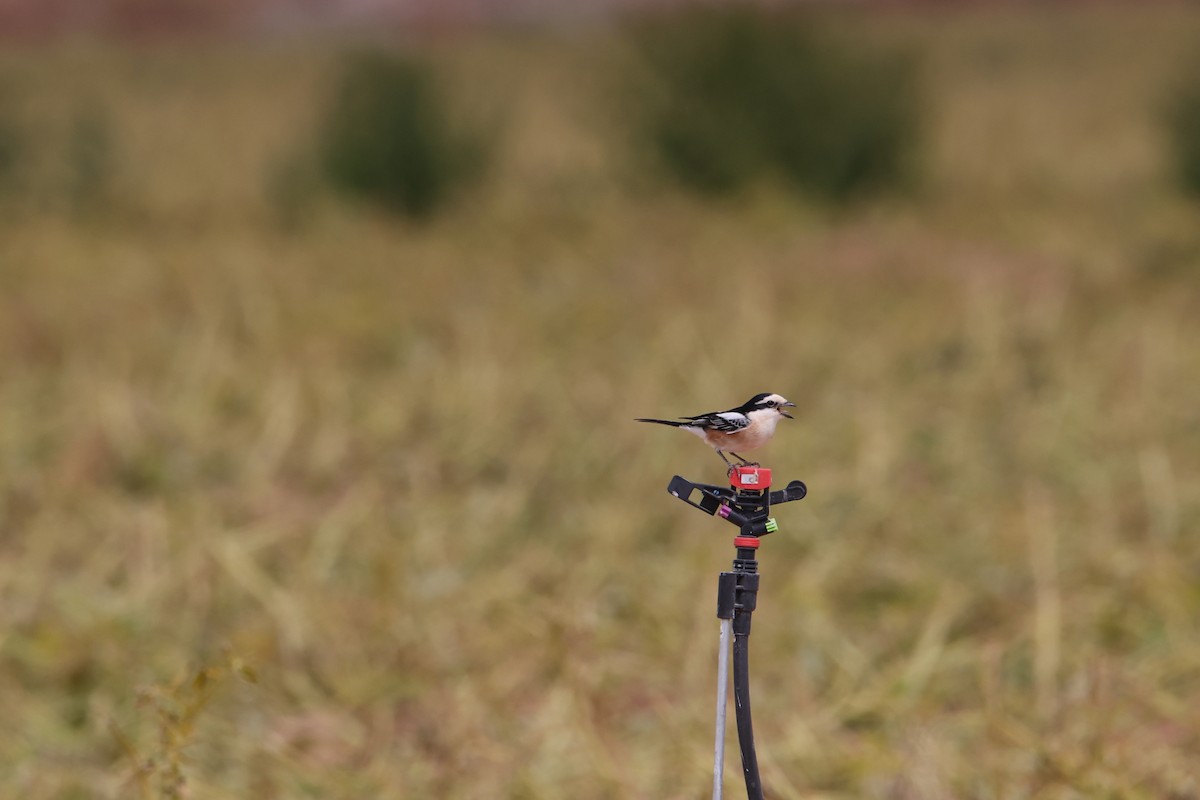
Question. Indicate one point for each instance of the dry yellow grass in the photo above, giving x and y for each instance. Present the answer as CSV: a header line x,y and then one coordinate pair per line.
x,y
231,448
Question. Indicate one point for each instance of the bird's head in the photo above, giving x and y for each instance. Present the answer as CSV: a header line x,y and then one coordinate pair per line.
x,y
769,402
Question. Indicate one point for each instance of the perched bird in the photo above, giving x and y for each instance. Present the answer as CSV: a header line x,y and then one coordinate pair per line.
x,y
746,427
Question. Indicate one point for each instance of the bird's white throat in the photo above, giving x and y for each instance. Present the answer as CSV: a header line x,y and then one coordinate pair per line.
x,y
765,419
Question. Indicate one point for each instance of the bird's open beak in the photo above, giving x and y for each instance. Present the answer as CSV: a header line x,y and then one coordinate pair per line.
x,y
789,405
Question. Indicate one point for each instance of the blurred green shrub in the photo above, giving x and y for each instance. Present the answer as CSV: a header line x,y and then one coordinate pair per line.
x,y
90,158
739,93
12,147
1183,124
50,163
390,137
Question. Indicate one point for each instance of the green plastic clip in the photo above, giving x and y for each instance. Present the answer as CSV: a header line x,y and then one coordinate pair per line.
x,y
772,525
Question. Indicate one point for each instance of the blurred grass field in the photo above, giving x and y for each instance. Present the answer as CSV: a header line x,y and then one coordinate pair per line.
x,y
308,502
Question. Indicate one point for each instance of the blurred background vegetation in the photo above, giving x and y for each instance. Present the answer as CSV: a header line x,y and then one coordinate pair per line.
x,y
319,354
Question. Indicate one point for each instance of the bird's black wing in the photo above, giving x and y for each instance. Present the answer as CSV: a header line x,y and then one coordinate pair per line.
x,y
724,421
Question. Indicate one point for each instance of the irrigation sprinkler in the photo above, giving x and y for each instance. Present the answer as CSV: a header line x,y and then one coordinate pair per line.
x,y
747,504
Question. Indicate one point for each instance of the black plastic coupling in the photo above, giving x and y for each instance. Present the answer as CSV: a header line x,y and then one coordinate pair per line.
x,y
745,601
726,594
746,561
747,592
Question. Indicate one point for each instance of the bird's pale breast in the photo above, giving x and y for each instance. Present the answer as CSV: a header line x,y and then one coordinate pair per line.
x,y
748,438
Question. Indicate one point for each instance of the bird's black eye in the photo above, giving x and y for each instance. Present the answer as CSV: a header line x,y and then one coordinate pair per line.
x,y
770,404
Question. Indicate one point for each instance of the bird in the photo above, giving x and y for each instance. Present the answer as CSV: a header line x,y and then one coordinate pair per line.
x,y
746,427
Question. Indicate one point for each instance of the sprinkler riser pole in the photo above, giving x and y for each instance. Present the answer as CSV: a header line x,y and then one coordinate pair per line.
x,y
746,504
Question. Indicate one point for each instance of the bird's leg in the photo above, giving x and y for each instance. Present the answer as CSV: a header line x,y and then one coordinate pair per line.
x,y
745,463
726,460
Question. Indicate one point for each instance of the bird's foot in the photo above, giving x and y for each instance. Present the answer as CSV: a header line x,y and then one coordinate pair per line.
x,y
744,462
733,468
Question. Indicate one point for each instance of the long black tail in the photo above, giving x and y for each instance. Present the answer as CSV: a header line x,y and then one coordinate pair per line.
x,y
664,422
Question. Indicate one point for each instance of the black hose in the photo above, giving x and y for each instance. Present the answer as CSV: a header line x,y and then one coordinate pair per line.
x,y
741,699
